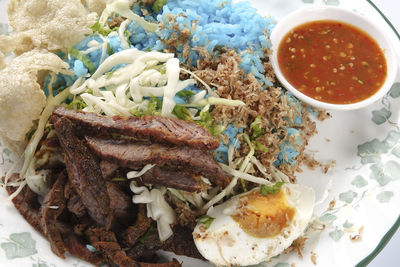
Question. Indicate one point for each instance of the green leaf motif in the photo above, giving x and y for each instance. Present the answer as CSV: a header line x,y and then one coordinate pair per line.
x,y
370,151
282,264
381,116
359,181
392,139
385,196
392,169
386,173
348,196
396,151
332,2
347,224
328,217
395,90
20,245
336,234
378,174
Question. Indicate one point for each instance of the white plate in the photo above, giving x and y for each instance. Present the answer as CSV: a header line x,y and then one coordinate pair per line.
x,y
365,183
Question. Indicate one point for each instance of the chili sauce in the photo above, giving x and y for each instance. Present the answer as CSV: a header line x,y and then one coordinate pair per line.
x,y
332,62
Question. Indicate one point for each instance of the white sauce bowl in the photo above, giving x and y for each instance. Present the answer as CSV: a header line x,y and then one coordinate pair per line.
x,y
306,15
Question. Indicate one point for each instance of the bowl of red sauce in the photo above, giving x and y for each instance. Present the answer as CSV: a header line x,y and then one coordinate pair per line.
x,y
333,58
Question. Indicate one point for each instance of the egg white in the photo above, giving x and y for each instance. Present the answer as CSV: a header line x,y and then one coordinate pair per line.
x,y
224,243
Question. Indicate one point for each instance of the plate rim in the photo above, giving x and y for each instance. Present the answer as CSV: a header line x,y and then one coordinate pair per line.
x,y
390,233
366,260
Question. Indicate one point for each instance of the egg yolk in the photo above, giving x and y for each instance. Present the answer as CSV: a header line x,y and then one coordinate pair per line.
x,y
264,216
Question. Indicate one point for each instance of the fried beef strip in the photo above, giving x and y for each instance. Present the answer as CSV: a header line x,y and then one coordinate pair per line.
x,y
108,168
53,205
132,234
26,203
107,242
154,128
76,247
84,173
181,180
130,154
121,203
180,243
74,203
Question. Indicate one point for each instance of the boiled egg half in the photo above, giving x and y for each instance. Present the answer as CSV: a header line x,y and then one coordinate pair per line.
x,y
253,227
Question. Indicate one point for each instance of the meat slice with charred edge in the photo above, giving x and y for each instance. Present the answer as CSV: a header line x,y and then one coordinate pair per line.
x,y
53,205
154,128
84,173
130,154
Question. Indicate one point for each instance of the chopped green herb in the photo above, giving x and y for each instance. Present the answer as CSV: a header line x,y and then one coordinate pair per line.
x,y
182,113
97,27
158,5
217,130
255,126
82,57
77,104
108,75
118,179
127,35
153,108
205,118
260,147
185,93
135,112
265,189
110,51
243,185
149,232
206,220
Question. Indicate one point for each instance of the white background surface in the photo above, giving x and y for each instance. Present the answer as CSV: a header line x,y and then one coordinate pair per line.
x,y
390,255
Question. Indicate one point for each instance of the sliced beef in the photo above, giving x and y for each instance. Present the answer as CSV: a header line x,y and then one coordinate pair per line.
x,y
108,168
75,205
154,128
130,154
52,207
26,203
121,203
132,234
106,242
172,178
115,254
76,247
84,173
181,243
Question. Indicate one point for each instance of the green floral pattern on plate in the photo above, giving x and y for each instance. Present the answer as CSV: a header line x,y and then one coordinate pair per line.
x,y
19,245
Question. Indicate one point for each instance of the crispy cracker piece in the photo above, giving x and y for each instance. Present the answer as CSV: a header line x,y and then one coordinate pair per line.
x,y
49,24
97,5
21,98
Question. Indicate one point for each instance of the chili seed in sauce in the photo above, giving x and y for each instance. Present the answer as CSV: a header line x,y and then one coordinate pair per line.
x,y
342,58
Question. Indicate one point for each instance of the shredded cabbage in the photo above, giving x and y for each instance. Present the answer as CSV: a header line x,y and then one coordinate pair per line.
x,y
157,208
121,7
